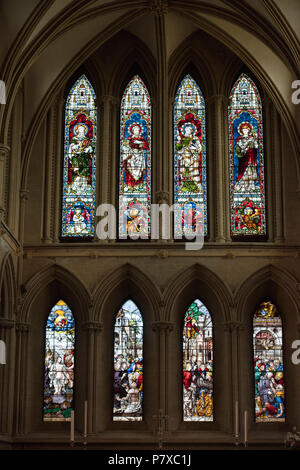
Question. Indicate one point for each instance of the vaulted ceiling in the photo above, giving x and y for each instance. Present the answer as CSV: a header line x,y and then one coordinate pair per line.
x,y
44,41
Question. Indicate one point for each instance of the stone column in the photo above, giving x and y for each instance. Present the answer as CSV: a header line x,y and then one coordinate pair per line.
x,y
269,166
279,152
161,161
58,165
92,328
4,154
21,355
50,157
163,328
233,329
217,109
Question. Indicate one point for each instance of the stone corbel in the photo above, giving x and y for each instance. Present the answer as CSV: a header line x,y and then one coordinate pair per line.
x,y
4,152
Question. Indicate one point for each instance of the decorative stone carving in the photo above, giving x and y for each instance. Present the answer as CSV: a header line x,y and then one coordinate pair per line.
x,y
158,7
162,197
163,254
4,151
232,326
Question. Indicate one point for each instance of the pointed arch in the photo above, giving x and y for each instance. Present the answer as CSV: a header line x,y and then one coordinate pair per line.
x,y
246,160
190,184
135,161
59,363
79,171
128,363
269,376
197,341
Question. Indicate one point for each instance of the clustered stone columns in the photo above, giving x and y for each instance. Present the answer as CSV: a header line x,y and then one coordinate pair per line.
x,y
163,328
21,351
92,329
6,374
233,330
4,154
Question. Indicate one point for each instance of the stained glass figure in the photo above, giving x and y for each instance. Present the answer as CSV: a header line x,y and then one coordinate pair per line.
x,y
135,161
79,173
128,364
268,364
197,364
247,193
59,364
190,192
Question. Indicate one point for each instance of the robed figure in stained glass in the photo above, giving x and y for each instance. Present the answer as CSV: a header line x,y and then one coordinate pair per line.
x,y
246,150
190,195
134,157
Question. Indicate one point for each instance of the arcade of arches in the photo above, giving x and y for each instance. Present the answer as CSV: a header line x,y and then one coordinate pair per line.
x,y
47,46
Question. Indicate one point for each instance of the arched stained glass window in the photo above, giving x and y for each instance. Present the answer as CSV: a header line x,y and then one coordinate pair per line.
x,y
247,192
79,172
128,364
190,192
197,364
59,364
135,161
268,364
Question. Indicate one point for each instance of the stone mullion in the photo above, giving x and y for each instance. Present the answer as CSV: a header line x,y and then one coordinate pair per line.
x,y
162,115
6,377
163,328
92,329
269,167
58,156
222,217
278,153
15,164
107,150
22,330
4,153
49,155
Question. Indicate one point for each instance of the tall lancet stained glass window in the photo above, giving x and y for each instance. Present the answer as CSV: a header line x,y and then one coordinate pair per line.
x,y
135,161
79,172
247,192
190,191
128,364
197,364
268,364
59,364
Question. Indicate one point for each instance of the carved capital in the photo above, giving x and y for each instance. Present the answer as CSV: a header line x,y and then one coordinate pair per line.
x,y
162,326
233,326
218,99
4,152
22,327
109,99
24,194
162,197
6,323
92,326
158,7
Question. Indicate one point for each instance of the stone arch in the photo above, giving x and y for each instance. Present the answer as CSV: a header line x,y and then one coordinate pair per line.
x,y
59,282
280,286
199,282
125,283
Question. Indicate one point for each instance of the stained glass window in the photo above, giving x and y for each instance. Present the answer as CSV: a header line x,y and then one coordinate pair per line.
x,y
128,364
268,364
59,364
197,364
190,193
135,161
79,172
247,193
